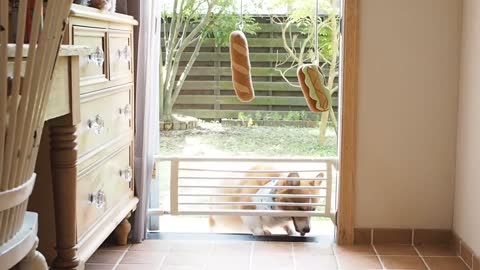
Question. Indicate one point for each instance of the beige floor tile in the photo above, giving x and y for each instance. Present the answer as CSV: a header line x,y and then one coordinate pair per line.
x,y
196,246
181,267
316,262
151,245
271,261
403,262
312,249
272,267
229,267
144,257
137,267
228,260
113,247
95,266
445,263
436,250
282,267
396,250
272,248
190,259
359,250
106,256
232,248
358,262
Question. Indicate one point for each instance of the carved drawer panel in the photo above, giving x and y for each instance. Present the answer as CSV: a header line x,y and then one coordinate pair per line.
x,y
93,68
101,188
120,56
105,115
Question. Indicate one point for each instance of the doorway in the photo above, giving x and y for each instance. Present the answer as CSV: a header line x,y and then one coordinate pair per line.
x,y
172,185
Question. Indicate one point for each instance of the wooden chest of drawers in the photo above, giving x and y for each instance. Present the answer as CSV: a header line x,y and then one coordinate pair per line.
x,y
91,149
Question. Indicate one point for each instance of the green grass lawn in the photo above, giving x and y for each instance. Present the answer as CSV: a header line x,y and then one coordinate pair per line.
x,y
214,139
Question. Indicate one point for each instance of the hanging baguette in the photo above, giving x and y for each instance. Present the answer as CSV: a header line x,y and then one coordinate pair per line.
x,y
313,87
241,77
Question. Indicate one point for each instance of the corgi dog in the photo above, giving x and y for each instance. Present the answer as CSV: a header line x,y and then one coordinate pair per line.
x,y
261,225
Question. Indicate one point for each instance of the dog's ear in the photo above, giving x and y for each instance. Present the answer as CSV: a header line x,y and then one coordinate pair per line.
x,y
293,182
317,182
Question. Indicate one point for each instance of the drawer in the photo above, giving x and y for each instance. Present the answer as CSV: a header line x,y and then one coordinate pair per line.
x,y
93,68
120,56
103,188
104,116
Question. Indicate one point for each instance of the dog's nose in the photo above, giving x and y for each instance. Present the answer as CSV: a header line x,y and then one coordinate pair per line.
x,y
306,230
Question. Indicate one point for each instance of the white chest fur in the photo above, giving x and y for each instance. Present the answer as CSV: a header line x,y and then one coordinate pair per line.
x,y
267,199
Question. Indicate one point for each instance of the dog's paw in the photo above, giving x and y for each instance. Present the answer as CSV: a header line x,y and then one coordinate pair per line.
x,y
288,229
260,232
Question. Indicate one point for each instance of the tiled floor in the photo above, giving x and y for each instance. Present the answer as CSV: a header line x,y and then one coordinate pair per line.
x,y
247,255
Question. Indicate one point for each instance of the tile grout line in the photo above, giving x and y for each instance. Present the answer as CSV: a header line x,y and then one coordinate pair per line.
x,y
421,257
371,236
252,249
378,257
336,257
162,262
121,257
293,257
413,237
464,262
460,254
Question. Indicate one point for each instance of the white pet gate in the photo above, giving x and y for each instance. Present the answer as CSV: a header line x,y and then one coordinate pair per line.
x,y
206,186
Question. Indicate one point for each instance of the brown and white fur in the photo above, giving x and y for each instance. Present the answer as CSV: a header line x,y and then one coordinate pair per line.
x,y
261,225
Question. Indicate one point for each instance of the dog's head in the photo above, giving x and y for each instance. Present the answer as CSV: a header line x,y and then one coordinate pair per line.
x,y
302,224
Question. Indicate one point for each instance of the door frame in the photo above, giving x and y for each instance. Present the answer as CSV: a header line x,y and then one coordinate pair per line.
x,y
348,131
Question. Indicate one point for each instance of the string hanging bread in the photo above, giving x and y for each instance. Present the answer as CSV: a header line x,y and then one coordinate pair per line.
x,y
312,81
240,63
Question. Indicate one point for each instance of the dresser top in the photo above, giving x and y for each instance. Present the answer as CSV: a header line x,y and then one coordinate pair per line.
x,y
93,13
65,50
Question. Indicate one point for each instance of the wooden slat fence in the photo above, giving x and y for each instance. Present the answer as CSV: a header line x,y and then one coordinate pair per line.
x,y
208,91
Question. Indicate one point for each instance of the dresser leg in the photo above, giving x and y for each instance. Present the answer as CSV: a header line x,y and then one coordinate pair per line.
x,y
34,260
64,172
122,231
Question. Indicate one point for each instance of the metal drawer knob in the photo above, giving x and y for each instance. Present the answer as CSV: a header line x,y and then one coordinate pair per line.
x,y
126,112
98,199
97,57
97,124
126,174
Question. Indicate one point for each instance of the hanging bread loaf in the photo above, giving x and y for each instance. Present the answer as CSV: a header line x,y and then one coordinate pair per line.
x,y
313,87
241,77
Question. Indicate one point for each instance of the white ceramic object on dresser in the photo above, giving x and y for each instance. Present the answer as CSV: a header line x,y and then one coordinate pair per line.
x,y
26,68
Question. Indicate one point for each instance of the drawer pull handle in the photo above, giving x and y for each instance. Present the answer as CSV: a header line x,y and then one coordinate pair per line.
x,y
98,199
97,124
126,111
124,53
126,174
97,57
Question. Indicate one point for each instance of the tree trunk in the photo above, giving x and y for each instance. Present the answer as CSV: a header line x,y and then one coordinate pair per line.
x,y
331,77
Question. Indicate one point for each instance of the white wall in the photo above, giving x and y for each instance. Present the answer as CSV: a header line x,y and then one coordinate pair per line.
x,y
408,86
467,188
